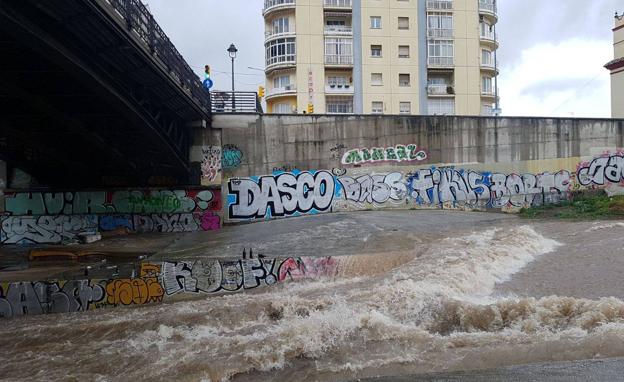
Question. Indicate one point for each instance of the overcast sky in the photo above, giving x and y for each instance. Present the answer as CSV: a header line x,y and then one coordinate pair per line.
x,y
551,55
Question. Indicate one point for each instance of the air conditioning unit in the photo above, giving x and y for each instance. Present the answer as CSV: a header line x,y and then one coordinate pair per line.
x,y
450,89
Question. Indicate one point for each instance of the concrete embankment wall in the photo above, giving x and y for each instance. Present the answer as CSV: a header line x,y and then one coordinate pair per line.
x,y
293,165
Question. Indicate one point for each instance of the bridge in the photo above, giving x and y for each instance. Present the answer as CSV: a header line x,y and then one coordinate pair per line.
x,y
93,93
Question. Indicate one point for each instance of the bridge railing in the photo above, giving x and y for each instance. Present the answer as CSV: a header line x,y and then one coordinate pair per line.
x,y
140,21
235,102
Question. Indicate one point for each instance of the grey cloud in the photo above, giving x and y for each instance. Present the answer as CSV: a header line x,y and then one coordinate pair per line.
x,y
542,89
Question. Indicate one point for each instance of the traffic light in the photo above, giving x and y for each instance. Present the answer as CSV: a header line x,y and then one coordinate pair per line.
x,y
207,71
310,108
261,91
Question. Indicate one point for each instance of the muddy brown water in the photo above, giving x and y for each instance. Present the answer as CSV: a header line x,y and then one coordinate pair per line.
x,y
483,297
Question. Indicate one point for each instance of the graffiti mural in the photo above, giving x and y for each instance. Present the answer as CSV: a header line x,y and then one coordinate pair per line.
x,y
398,153
29,298
377,188
231,158
56,217
45,229
285,194
211,164
159,282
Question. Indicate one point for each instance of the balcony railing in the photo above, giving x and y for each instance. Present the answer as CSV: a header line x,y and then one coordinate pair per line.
x,y
439,4
338,3
439,33
339,88
269,4
440,61
271,33
488,6
488,64
338,29
338,59
235,102
440,89
289,59
282,90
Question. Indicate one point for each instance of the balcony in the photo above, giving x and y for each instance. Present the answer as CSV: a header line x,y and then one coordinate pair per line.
x,y
287,90
489,66
437,5
269,35
273,5
337,4
338,60
441,90
339,89
340,30
488,9
279,62
439,33
489,39
440,62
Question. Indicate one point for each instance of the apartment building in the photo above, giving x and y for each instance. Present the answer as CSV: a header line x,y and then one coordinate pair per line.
x,y
617,69
381,56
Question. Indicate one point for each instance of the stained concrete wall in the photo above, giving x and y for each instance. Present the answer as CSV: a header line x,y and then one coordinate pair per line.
x,y
282,142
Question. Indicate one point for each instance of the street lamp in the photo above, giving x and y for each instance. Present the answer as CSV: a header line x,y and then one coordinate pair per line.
x,y
232,52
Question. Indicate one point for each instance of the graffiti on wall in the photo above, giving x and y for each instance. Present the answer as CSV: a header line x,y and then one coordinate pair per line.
x,y
55,217
211,163
292,194
285,194
398,153
157,282
232,157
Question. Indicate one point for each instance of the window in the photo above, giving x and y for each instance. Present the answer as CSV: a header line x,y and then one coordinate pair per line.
x,y
487,31
375,22
280,50
281,82
440,52
404,80
377,107
339,105
405,108
336,22
376,79
486,85
440,25
280,25
282,108
486,58
403,22
403,51
338,82
441,106
375,50
486,109
339,51
440,85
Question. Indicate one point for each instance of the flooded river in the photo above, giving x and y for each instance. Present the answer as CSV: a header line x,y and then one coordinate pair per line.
x,y
489,296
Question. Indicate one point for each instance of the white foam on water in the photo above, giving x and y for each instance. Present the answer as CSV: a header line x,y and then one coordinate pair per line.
x,y
431,310
601,226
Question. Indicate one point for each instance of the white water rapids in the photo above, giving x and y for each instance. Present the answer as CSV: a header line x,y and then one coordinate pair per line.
x,y
432,309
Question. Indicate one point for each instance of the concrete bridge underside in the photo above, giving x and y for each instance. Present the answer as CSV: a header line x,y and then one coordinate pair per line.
x,y
85,103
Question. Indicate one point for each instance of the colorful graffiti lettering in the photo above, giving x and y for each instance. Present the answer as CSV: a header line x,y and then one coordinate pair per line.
x,y
280,195
398,153
231,158
66,214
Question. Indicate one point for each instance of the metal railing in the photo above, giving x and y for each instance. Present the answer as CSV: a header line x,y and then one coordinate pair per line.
x,y
487,5
439,33
338,29
439,4
440,89
268,4
235,102
272,34
141,22
338,3
440,61
338,59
